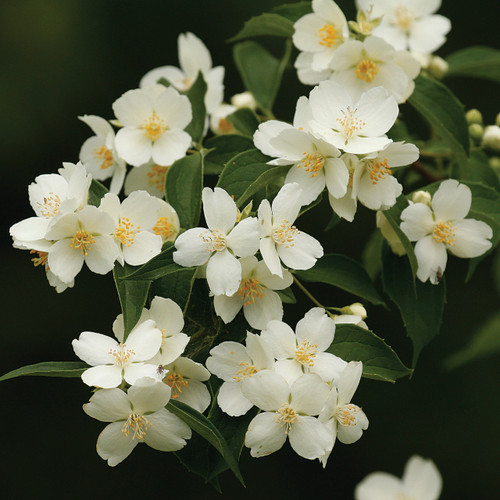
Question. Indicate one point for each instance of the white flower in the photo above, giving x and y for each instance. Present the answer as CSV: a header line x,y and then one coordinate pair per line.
x,y
409,24
360,66
186,377
302,351
354,126
421,481
149,177
371,180
342,418
315,163
193,58
443,227
255,295
114,361
305,72
287,412
167,224
137,417
491,138
168,317
85,236
218,245
134,221
153,124
233,363
280,239
99,155
321,32
244,100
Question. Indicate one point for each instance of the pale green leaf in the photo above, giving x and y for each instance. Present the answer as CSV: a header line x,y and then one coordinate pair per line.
x,y
96,193
65,369
475,62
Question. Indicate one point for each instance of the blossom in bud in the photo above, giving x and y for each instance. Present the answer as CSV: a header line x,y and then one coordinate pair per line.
x,y
422,197
357,309
437,67
491,138
474,116
244,100
476,132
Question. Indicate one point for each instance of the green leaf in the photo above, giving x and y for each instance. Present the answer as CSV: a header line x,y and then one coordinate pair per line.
x,y
421,307
372,254
205,428
484,342
480,171
380,362
248,172
287,296
222,148
260,71
445,113
265,24
183,187
96,193
345,273
293,11
64,369
196,95
476,62
176,286
132,294
244,121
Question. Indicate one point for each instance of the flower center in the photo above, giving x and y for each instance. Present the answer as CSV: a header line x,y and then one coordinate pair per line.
x,y
306,353
50,206
347,415
444,232
286,417
105,155
377,170
250,290
312,163
125,232
82,240
137,424
367,70
404,17
284,233
154,127
350,123
157,176
177,382
247,370
122,354
41,260
225,126
328,35
214,240
163,227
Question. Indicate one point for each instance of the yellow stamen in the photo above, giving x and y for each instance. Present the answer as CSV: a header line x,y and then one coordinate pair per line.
x,y
286,417
125,232
248,371
82,240
154,127
312,163
106,155
250,290
50,206
225,126
367,70
157,176
350,123
214,240
404,17
328,35
284,233
377,170
122,354
347,414
444,232
41,260
177,382
138,424
306,353
163,227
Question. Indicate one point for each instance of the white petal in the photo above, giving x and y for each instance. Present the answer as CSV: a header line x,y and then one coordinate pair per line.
x,y
429,33
264,435
191,247
311,185
471,238
223,273
167,315
231,400
281,339
105,376
108,405
133,146
344,207
317,328
451,201
145,340
266,390
243,240
167,432
431,258
148,395
260,351
286,205
227,307
226,359
303,254
263,310
173,347
336,177
379,486
193,54
422,478
102,255
309,394
219,209
349,380
357,423
417,221
270,256
328,366
113,445
267,131
135,371
94,348
309,438
171,146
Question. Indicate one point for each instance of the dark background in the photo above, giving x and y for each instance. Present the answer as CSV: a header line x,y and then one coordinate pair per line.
x,y
64,58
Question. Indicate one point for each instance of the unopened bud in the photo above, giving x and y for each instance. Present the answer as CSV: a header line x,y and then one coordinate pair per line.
x,y
494,162
476,131
474,116
437,67
357,309
491,137
244,100
245,212
497,120
421,197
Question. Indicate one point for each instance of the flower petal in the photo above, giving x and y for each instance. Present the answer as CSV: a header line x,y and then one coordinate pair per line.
x,y
264,435
108,405
231,400
223,273
167,432
309,438
113,445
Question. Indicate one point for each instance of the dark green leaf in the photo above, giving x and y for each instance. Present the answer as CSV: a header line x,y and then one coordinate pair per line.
x,y
248,172
421,307
445,113
183,187
196,95
476,62
265,24
260,71
96,193
380,362
345,273
372,254
176,286
334,220
65,369
244,121
132,294
287,296
222,148
205,428
484,342
293,11
480,171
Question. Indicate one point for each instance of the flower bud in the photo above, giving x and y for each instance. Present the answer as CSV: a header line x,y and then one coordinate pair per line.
x,y
497,120
245,212
476,131
244,100
474,116
491,137
437,67
389,234
422,197
494,162
357,309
